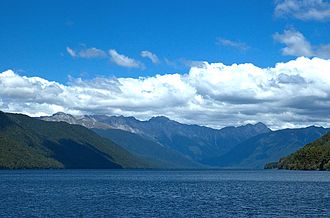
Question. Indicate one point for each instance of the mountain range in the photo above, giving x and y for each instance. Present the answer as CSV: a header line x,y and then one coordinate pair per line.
x,y
173,144
196,142
100,141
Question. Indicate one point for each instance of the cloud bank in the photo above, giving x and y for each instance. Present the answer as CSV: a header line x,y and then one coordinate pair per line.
x,y
292,94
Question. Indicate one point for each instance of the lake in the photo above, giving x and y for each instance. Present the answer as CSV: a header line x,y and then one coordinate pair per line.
x,y
149,193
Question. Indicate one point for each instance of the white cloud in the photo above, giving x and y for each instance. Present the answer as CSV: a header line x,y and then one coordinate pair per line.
x,y
297,45
292,94
87,53
71,52
147,54
234,44
92,53
295,42
303,9
123,60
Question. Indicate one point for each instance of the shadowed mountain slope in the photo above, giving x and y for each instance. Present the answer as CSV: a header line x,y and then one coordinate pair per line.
x,y
259,150
148,149
27,142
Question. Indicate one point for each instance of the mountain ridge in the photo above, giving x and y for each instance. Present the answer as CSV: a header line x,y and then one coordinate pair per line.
x,y
27,142
268,147
159,142
96,119
197,142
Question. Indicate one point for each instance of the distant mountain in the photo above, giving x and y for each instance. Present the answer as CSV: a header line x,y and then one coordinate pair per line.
x,y
84,120
196,142
193,141
27,142
249,146
148,149
268,147
313,156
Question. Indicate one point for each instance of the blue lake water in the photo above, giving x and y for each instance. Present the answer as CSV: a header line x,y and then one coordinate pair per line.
x,y
143,193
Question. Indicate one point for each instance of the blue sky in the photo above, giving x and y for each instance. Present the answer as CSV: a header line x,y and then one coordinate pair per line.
x,y
34,35
183,59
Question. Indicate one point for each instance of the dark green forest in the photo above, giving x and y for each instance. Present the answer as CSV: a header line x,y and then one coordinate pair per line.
x,y
313,156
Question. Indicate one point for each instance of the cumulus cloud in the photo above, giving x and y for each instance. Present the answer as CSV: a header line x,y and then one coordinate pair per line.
x,y
87,53
147,54
291,94
303,9
297,45
124,61
234,44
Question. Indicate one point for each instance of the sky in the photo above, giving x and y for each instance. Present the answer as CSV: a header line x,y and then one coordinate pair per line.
x,y
213,63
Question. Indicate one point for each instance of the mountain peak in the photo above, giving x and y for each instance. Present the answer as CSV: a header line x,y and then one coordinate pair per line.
x,y
129,118
260,124
159,119
257,128
261,127
62,114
